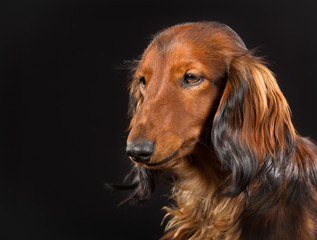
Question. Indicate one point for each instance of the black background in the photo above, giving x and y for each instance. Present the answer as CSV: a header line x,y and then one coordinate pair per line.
x,y
64,102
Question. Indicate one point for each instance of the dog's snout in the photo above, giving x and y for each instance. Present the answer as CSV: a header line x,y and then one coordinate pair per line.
x,y
140,151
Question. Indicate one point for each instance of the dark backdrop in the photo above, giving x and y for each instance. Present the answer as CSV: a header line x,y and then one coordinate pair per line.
x,y
64,103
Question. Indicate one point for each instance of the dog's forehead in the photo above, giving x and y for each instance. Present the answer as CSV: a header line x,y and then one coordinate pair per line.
x,y
169,54
199,36
207,44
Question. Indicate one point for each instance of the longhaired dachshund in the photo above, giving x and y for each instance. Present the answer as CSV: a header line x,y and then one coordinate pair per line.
x,y
209,112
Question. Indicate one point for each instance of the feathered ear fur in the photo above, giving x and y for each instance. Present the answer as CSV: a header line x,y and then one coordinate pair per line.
x,y
252,130
141,184
135,100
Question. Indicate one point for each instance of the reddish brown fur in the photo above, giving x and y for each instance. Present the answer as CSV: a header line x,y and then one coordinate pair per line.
x,y
179,118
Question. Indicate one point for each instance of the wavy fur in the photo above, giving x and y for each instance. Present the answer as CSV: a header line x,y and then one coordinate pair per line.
x,y
249,174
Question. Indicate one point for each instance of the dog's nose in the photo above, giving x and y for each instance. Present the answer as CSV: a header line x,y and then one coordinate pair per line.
x,y
140,151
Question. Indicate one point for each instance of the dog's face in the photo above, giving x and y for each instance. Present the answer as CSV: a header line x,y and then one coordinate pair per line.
x,y
197,78
178,80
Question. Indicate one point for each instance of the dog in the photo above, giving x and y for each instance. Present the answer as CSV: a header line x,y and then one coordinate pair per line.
x,y
209,112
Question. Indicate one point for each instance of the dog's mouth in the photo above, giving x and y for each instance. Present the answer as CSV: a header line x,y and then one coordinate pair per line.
x,y
185,149
166,160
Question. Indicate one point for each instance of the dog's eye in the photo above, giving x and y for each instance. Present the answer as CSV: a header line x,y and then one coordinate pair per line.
x,y
142,81
191,78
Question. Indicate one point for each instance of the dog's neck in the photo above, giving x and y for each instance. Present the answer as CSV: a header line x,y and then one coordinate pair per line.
x,y
201,211
203,165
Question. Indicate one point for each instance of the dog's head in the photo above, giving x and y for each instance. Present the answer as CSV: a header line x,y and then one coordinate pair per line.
x,y
176,84
201,74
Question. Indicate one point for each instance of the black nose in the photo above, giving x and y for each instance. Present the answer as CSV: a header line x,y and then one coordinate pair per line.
x,y
140,151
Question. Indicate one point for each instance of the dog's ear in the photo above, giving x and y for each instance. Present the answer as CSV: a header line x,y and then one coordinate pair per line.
x,y
252,126
135,96
135,100
140,183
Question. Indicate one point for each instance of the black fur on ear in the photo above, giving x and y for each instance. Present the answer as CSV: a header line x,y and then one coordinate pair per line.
x,y
252,132
239,160
140,182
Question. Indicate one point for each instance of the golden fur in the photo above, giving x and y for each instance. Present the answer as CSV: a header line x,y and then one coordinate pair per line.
x,y
240,169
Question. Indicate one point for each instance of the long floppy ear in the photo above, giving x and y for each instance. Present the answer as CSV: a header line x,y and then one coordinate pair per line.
x,y
140,181
252,131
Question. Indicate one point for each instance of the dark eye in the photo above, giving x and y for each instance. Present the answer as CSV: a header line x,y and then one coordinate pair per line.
x,y
191,78
142,81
